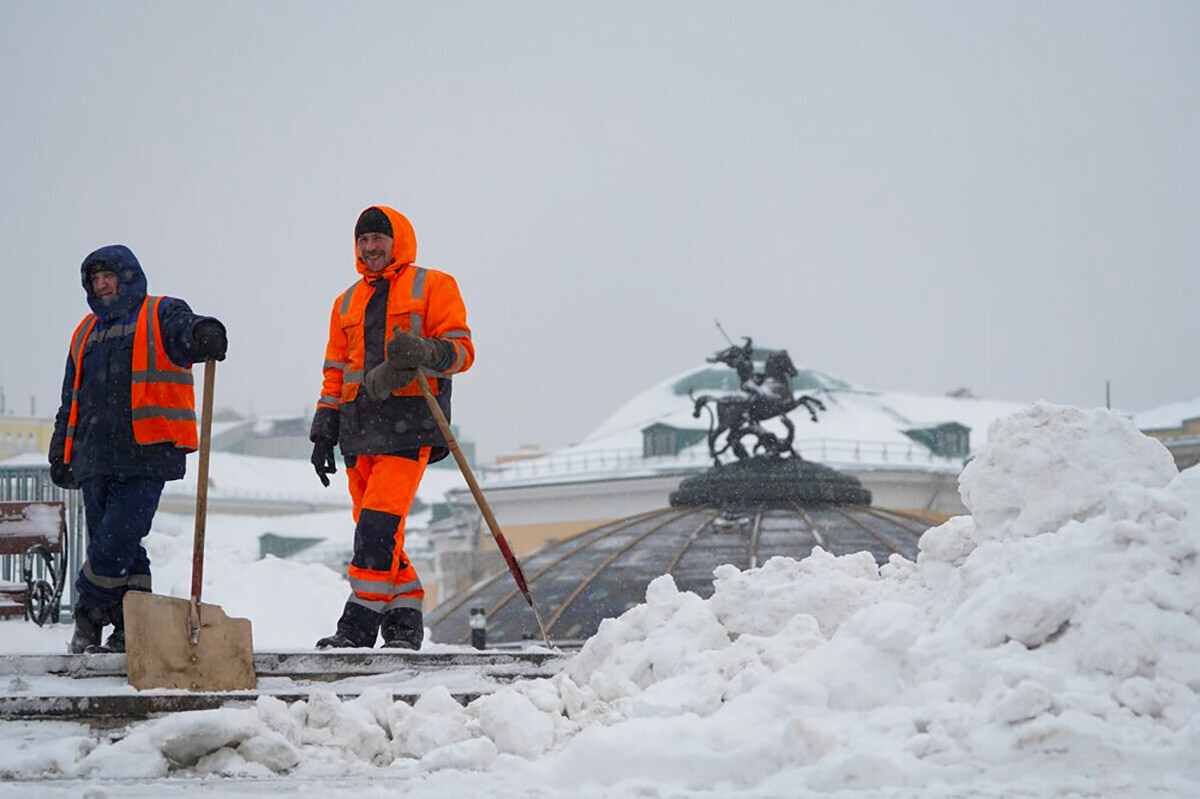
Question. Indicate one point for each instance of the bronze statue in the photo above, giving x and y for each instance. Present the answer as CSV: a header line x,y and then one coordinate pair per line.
x,y
768,394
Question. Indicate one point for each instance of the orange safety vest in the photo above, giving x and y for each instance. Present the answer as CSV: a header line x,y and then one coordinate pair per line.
x,y
162,396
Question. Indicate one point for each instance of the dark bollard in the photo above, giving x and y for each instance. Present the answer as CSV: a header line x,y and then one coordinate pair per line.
x,y
478,628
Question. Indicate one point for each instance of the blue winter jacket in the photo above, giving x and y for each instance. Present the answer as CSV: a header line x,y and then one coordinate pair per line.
x,y
104,442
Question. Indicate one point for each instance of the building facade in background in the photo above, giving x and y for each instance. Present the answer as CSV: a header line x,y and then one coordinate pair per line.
x,y
23,434
1177,426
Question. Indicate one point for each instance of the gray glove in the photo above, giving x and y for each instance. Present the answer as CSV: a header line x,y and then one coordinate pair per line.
x,y
385,378
410,352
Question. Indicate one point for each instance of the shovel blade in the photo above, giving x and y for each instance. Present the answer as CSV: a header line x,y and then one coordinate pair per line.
x,y
159,652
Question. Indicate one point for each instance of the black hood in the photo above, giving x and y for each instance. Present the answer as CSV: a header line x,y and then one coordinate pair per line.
x,y
120,259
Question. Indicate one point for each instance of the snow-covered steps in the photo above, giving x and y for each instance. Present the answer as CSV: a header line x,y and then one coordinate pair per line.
x,y
338,665
328,665
120,708
93,688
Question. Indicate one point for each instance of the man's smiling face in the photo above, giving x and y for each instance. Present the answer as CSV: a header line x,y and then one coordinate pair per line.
x,y
375,250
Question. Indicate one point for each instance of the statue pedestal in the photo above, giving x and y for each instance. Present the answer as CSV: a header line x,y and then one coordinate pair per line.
x,y
766,480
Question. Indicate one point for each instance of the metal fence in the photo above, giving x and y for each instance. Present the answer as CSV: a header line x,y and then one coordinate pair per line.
x,y
823,450
32,484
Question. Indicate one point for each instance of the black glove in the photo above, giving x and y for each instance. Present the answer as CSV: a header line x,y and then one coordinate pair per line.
x,y
385,378
410,352
60,475
210,340
323,462
325,424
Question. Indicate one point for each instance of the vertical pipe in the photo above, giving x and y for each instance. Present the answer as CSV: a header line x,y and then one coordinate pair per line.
x,y
478,628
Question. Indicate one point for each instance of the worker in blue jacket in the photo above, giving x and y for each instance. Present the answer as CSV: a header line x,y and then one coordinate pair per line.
x,y
127,419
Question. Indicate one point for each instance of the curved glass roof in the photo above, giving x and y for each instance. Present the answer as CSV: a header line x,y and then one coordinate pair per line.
x,y
603,572
722,378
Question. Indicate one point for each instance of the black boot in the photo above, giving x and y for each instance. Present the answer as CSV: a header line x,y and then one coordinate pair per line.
x,y
403,629
335,641
116,640
89,623
358,627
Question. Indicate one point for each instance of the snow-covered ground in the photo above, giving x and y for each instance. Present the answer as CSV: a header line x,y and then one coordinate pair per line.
x,y
1046,645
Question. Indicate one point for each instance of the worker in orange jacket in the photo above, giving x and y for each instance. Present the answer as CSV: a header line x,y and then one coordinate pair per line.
x,y
397,318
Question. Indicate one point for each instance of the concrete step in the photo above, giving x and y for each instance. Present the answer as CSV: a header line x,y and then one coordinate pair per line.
x,y
111,709
93,689
316,665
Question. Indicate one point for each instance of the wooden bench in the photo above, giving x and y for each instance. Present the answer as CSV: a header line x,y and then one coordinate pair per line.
x,y
34,531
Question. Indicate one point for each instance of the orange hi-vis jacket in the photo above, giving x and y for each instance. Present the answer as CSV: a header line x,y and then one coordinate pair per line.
x,y
162,395
420,301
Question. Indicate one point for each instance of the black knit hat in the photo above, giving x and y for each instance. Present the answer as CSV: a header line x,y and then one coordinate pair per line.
x,y
373,220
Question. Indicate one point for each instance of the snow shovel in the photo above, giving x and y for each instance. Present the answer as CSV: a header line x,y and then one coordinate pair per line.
x,y
514,566
181,643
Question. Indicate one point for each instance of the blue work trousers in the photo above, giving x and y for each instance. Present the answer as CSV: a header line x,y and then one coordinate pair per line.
x,y
119,512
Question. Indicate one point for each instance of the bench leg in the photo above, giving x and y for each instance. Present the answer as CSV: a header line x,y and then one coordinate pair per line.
x,y
41,597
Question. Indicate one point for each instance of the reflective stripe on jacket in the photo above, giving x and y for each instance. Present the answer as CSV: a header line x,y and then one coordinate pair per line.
x,y
409,308
162,395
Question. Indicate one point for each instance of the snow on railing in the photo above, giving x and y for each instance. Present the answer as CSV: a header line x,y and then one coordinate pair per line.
x,y
823,450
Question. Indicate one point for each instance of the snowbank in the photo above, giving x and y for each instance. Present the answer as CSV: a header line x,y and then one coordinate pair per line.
x,y
1051,639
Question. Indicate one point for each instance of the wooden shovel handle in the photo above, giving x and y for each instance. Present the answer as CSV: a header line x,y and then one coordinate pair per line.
x,y
513,565
210,376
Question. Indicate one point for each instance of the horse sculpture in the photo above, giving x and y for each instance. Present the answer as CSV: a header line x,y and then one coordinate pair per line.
x,y
767,395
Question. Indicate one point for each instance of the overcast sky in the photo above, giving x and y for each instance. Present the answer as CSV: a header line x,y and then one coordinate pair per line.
x,y
912,196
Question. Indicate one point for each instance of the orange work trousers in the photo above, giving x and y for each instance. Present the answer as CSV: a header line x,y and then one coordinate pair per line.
x,y
383,487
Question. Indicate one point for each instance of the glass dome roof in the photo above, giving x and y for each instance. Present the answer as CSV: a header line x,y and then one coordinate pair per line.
x,y
603,572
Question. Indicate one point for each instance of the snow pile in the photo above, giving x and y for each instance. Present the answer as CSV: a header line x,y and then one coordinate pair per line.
x,y
1052,638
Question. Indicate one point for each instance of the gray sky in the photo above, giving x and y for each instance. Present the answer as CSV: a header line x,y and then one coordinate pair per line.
x,y
912,196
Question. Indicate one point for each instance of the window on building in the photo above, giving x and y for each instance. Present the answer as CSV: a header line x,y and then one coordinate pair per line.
x,y
661,440
947,440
